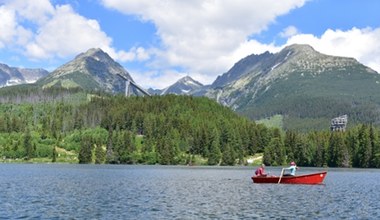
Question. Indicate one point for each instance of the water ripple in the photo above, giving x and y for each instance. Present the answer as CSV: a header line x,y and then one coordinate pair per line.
x,y
158,192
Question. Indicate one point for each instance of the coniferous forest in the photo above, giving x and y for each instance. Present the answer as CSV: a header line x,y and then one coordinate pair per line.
x,y
101,128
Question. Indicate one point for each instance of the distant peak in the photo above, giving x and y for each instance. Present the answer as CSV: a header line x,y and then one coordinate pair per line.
x,y
188,79
92,52
300,47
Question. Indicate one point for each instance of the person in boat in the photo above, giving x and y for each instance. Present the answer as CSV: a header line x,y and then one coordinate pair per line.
x,y
260,171
292,169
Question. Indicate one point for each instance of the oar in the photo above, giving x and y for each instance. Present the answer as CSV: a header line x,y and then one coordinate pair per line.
x,y
282,172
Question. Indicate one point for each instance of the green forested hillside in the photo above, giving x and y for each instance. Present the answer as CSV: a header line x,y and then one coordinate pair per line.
x,y
309,101
305,87
114,129
357,147
62,125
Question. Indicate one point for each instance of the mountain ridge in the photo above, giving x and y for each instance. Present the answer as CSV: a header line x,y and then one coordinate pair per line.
x,y
92,70
15,75
270,67
184,86
300,83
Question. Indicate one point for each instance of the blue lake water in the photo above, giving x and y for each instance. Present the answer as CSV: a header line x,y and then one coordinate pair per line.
x,y
64,191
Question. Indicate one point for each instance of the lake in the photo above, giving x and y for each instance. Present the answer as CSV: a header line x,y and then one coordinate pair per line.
x,y
67,191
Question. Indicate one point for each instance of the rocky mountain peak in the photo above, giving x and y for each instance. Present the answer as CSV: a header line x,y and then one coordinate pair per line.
x,y
94,66
300,48
256,75
92,60
95,53
188,80
185,85
14,75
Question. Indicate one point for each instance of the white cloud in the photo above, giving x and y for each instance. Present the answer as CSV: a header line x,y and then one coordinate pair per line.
x,y
200,38
7,25
134,54
66,33
289,31
37,11
204,36
53,31
361,44
165,78
154,79
10,31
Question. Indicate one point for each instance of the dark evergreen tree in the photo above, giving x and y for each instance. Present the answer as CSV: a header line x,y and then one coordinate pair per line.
x,y
375,148
163,150
28,145
276,148
110,156
100,154
290,143
54,155
253,144
364,149
264,137
338,151
214,152
228,156
303,151
321,144
85,152
269,156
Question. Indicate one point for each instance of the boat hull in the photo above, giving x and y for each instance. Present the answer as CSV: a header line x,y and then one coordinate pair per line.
x,y
314,178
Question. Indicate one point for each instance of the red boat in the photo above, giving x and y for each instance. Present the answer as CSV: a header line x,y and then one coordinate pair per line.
x,y
314,178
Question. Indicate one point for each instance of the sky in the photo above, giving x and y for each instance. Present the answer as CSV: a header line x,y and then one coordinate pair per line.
x,y
160,41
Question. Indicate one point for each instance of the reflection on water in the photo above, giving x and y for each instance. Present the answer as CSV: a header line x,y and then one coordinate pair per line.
x,y
53,191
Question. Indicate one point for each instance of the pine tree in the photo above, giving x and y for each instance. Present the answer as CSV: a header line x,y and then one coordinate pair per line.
x,y
163,150
85,152
110,156
100,154
228,155
269,155
303,151
375,148
253,144
214,153
264,137
290,143
321,145
276,147
338,151
28,145
54,155
353,144
364,148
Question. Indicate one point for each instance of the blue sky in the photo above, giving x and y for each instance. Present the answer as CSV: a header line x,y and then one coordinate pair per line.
x,y
158,42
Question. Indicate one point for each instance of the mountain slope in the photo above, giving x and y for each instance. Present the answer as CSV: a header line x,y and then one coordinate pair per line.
x,y
300,82
15,76
92,70
183,86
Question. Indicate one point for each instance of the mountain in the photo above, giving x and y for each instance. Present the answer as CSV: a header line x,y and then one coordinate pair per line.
x,y
155,91
244,66
300,83
184,86
14,76
93,70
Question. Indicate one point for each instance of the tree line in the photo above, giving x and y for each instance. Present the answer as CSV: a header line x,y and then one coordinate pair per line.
x,y
168,130
357,147
115,129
